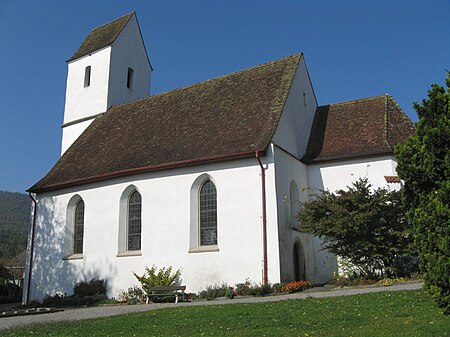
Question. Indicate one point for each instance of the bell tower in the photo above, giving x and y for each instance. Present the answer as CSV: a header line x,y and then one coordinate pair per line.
x,y
110,67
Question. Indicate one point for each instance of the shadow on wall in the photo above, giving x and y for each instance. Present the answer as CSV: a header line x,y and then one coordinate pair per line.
x,y
51,274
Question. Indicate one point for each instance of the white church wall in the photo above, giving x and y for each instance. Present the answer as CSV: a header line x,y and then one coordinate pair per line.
x,y
84,102
87,101
128,51
72,132
340,174
166,214
292,174
295,124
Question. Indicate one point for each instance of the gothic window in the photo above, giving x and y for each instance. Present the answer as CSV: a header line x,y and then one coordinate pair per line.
x,y
208,214
134,221
87,76
78,228
130,78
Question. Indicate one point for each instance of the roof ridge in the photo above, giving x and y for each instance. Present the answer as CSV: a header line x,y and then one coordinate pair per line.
x,y
239,72
356,100
108,23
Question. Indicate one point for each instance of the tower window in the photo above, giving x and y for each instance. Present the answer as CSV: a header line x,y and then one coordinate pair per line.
x,y
130,78
87,76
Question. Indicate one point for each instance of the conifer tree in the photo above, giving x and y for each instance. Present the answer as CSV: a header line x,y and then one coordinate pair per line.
x,y
424,165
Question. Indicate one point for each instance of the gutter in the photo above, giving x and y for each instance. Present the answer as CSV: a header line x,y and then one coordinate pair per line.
x,y
264,216
145,169
30,264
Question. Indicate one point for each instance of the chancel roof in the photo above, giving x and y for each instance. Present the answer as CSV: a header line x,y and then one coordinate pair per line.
x,y
363,127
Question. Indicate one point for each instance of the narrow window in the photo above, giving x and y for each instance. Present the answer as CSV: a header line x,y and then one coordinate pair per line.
x,y
208,214
87,76
304,99
78,228
130,78
134,221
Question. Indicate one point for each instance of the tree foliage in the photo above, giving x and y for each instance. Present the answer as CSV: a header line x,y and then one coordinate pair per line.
x,y
14,221
365,226
424,165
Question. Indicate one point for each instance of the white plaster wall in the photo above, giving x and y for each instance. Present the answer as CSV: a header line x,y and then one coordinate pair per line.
x,y
338,175
128,50
83,101
296,120
334,176
320,268
72,132
165,230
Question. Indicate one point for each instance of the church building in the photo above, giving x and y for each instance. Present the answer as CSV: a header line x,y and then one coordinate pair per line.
x,y
207,178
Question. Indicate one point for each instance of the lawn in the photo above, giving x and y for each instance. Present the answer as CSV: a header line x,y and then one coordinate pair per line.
x,y
402,313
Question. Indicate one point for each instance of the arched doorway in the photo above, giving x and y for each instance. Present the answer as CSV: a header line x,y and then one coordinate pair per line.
x,y
299,262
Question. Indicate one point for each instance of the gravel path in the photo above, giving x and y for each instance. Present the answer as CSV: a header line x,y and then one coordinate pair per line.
x,y
94,312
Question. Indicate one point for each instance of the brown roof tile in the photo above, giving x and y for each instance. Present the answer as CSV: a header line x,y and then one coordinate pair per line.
x,y
361,127
101,37
222,117
392,179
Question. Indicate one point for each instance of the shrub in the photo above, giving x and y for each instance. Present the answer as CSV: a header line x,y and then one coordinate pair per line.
x,y
133,295
260,290
215,291
294,287
57,300
158,278
91,288
243,289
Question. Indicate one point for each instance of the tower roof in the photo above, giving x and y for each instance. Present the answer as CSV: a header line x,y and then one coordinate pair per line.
x,y
364,127
101,37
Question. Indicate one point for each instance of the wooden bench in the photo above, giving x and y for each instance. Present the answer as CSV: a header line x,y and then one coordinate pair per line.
x,y
177,291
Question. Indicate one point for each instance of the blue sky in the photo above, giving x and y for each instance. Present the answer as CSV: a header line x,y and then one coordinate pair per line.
x,y
353,49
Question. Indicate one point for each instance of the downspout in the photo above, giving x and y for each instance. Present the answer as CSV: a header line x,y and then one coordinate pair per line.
x,y
264,217
30,264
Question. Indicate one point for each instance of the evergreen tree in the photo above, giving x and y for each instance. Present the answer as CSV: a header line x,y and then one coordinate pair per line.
x,y
424,165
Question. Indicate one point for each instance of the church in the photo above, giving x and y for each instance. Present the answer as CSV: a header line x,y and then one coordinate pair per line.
x,y
207,178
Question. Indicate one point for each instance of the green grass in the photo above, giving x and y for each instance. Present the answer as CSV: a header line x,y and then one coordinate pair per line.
x,y
402,313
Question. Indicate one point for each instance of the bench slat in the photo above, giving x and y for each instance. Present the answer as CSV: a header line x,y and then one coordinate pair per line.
x,y
171,288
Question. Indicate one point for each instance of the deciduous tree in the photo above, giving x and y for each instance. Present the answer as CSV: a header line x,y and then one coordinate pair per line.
x,y
365,226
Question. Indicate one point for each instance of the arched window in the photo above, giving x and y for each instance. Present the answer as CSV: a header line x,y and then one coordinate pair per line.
x,y
130,78
134,221
208,214
78,229
87,76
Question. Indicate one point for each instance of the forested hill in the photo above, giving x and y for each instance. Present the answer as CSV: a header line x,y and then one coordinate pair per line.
x,y
14,221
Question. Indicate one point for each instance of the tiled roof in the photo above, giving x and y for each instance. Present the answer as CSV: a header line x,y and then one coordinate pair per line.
x,y
228,116
363,127
392,179
101,37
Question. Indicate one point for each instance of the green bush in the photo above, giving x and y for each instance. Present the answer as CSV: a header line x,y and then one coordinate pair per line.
x,y
158,278
91,288
215,291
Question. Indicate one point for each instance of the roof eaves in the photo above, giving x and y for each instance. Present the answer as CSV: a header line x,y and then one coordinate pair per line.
x,y
128,172
361,155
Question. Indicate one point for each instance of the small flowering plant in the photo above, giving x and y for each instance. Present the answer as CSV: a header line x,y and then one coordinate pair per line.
x,y
294,287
